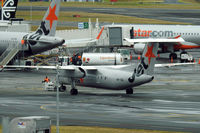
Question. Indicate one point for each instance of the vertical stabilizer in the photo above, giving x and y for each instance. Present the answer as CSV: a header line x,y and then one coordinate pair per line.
x,y
9,9
146,66
50,19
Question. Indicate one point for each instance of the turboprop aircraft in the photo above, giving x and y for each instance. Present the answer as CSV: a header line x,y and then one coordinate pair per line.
x,y
8,10
110,77
26,44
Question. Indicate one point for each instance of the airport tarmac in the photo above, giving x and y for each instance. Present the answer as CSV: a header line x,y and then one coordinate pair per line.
x,y
171,102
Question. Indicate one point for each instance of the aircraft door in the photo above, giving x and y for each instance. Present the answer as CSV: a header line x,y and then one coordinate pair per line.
x,y
132,33
115,36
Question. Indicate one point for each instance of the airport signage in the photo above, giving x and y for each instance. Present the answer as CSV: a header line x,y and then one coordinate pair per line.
x,y
83,25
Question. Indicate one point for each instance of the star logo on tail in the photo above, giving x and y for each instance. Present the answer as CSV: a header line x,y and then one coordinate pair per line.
x,y
52,16
149,53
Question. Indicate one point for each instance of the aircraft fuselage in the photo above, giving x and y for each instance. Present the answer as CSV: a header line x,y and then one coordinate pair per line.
x,y
107,79
37,45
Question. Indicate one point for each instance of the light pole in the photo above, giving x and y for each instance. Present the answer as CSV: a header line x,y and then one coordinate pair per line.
x,y
57,99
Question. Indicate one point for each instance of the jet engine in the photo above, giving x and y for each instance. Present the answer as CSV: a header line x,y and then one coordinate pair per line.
x,y
138,48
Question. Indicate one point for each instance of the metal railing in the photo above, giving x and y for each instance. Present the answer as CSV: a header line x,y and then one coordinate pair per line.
x,y
9,53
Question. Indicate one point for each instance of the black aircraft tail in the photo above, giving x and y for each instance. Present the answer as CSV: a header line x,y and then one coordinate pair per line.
x,y
8,10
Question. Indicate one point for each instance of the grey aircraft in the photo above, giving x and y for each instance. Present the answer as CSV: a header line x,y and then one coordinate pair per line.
x,y
26,44
110,77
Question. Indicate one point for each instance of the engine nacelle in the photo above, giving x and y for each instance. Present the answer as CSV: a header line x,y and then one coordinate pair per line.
x,y
77,73
139,48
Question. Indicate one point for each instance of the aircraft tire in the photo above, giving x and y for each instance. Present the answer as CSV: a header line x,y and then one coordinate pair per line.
x,y
73,91
129,91
62,88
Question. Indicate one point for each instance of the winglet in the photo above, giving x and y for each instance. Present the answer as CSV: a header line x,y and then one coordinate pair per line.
x,y
99,35
177,36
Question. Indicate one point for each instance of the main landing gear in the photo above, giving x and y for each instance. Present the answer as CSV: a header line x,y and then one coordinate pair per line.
x,y
129,90
62,88
73,91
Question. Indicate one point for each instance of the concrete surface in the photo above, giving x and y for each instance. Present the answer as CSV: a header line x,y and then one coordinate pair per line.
x,y
171,102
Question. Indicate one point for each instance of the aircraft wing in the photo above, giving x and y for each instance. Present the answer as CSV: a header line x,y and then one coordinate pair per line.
x,y
72,67
79,43
69,67
40,67
76,43
175,64
154,40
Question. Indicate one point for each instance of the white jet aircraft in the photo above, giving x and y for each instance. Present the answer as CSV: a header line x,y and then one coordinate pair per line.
x,y
190,33
26,44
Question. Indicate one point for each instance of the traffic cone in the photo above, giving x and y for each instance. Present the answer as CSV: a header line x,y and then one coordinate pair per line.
x,y
172,60
131,57
139,57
